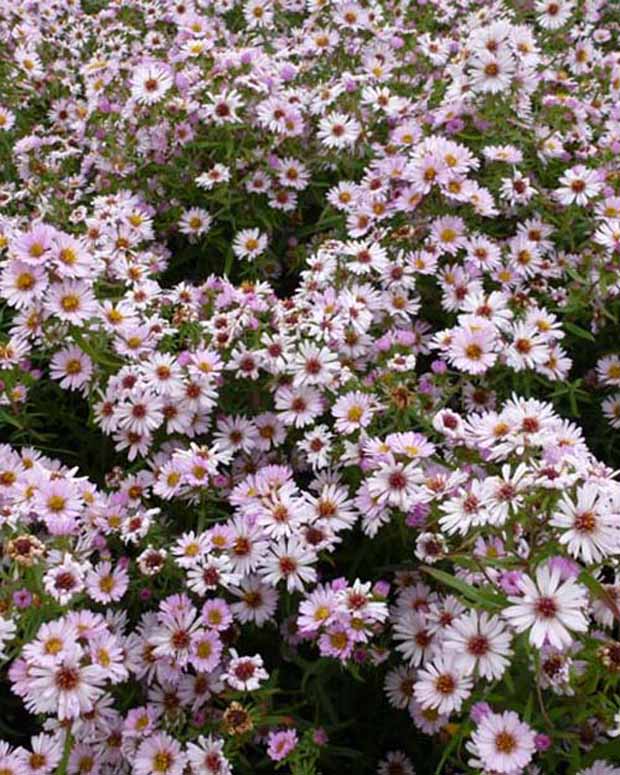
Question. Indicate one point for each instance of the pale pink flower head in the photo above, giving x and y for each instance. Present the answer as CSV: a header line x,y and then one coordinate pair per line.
x,y
502,743
281,743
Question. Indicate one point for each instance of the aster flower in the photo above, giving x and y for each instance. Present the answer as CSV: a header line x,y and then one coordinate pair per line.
x,y
502,743
159,754
549,609
442,685
245,673
289,560
149,83
65,688
479,643
338,130
249,244
281,743
72,367
207,754
591,526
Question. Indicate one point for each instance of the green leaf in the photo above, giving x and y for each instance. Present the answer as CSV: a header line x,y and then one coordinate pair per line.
x,y
578,331
485,598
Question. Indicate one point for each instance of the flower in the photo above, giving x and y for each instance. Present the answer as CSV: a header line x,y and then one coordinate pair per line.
x,y
337,130
64,688
442,686
549,609
592,527
502,743
281,743
149,83
71,367
249,244
245,673
159,754
479,642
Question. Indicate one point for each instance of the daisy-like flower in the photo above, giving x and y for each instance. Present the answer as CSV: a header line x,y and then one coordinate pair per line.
x,y
106,584
281,743
396,484
502,743
7,119
289,560
611,410
480,643
22,284
608,235
549,609
600,767
65,580
59,505
245,673
293,173
353,411
8,629
249,244
141,414
224,106
553,14
298,406
608,370
44,757
314,365
448,233
416,642
219,173
72,367
207,755
159,754
492,71
527,349
469,507
65,688
34,246
338,130
72,301
195,222
317,445
150,82
257,601
592,529
206,650
398,686
442,686
473,349
395,763
578,186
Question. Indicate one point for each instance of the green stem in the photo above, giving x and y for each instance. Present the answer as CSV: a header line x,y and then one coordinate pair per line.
x,y
64,762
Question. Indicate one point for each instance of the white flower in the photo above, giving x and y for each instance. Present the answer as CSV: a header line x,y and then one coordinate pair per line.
x,y
442,686
591,529
249,243
502,743
7,633
149,83
479,642
65,688
550,608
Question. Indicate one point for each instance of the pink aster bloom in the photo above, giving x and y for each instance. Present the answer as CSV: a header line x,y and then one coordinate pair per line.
x,y
72,367
502,743
281,743
549,609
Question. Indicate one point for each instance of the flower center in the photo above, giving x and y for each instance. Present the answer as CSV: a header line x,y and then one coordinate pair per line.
x,y
546,607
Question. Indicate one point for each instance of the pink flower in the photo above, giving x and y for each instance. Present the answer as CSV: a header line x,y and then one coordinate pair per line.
x,y
281,743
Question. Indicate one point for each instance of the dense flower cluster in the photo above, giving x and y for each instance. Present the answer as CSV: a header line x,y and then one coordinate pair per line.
x,y
309,387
